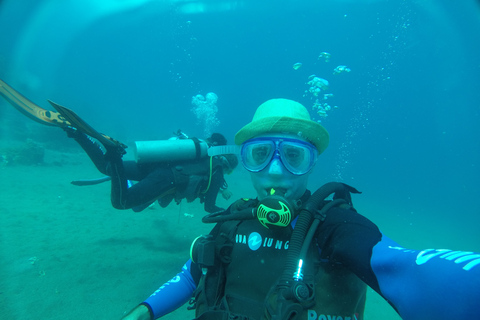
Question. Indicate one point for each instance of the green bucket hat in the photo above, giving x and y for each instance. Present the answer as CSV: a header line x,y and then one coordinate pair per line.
x,y
284,116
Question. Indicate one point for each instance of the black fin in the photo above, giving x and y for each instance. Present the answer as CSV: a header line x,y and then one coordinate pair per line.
x,y
84,127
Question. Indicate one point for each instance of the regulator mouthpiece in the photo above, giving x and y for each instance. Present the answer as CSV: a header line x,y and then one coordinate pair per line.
x,y
274,210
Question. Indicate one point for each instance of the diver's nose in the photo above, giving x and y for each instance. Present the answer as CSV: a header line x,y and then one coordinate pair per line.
x,y
276,167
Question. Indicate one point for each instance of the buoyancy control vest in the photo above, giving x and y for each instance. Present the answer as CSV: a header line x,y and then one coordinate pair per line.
x,y
248,261
188,159
192,178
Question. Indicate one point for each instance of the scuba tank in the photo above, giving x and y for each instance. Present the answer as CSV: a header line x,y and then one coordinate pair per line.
x,y
181,149
170,150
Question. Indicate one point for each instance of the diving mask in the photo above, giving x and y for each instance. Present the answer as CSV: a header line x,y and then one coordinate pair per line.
x,y
296,155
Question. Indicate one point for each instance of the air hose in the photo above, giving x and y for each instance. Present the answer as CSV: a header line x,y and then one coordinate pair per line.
x,y
287,288
244,214
305,220
319,218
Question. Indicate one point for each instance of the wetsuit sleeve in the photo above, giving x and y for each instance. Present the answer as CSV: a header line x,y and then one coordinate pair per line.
x,y
212,193
173,294
428,284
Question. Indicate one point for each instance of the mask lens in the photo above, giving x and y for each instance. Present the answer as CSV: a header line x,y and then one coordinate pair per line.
x,y
256,155
297,158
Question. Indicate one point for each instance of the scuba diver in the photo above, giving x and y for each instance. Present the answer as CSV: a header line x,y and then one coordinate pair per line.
x,y
201,177
192,174
290,254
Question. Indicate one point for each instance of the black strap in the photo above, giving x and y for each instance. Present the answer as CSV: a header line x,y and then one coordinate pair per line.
x,y
198,150
222,315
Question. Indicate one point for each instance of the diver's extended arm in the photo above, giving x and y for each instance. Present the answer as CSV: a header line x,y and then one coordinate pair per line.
x,y
172,294
428,284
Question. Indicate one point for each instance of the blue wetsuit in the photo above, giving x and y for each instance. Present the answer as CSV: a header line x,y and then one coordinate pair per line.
x,y
419,284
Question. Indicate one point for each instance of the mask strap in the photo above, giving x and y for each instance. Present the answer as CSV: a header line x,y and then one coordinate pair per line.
x,y
228,149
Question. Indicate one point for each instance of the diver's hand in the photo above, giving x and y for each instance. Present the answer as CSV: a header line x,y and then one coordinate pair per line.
x,y
226,194
141,312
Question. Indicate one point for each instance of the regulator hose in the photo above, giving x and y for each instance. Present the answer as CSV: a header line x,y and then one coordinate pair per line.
x,y
221,216
299,240
305,219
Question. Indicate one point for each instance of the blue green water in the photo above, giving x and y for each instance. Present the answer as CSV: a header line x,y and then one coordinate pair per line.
x,y
405,131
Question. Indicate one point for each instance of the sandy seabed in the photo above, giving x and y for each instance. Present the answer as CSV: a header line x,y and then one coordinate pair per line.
x,y
67,254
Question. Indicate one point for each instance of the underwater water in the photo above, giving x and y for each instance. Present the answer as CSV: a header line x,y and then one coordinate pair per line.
x,y
402,113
